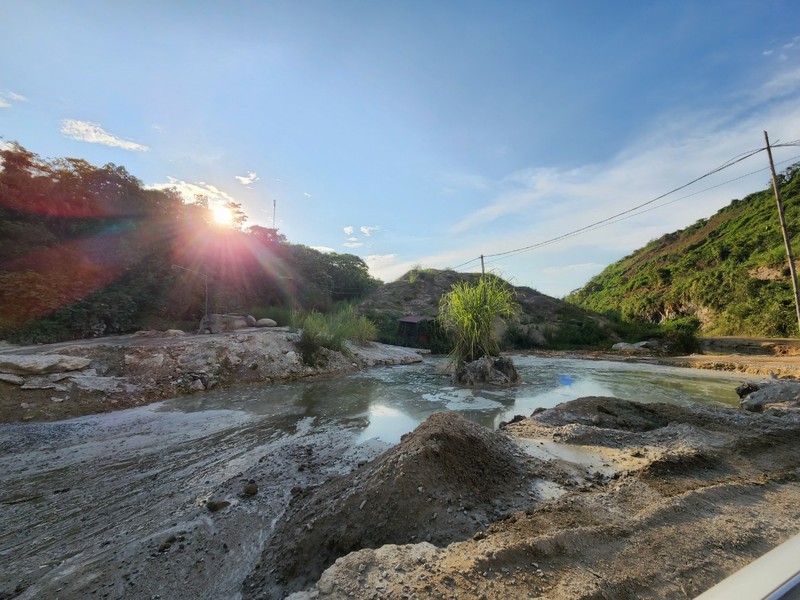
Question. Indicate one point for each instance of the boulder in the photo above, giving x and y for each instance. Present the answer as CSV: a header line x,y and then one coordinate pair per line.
x,y
250,320
38,364
174,332
625,347
780,394
487,370
216,323
266,323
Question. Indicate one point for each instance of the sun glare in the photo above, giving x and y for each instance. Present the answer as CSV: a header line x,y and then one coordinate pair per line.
x,y
222,215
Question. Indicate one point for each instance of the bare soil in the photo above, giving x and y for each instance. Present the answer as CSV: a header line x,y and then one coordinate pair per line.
x,y
595,498
616,500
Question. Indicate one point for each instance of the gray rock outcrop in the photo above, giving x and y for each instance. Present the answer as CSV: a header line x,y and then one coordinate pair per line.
x,y
770,395
40,364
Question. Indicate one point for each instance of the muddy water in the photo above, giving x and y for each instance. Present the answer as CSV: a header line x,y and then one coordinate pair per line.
x,y
85,504
388,402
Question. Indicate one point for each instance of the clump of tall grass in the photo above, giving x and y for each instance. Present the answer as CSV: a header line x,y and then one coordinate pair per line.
x,y
332,331
468,313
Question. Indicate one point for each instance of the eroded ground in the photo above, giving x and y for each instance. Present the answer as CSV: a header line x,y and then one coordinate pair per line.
x,y
596,498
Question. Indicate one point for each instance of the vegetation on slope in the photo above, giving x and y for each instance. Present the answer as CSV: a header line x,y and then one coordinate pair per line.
x,y
88,251
729,272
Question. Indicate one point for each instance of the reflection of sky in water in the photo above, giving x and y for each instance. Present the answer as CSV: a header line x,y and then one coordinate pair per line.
x,y
391,401
387,424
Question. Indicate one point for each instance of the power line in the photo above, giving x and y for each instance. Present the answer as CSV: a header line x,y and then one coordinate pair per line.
x,y
641,212
634,211
726,165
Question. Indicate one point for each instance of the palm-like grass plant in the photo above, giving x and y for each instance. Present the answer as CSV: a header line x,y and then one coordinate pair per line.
x,y
468,313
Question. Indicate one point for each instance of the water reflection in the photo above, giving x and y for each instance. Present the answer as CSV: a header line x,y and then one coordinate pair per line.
x,y
386,402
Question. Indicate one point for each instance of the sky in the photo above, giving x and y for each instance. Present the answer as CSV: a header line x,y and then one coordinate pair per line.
x,y
418,133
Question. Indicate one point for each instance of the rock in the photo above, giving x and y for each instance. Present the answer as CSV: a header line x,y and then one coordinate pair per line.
x,y
38,364
782,394
217,505
250,320
14,379
746,388
216,323
144,360
174,332
250,489
41,383
625,347
486,370
104,384
266,323
197,385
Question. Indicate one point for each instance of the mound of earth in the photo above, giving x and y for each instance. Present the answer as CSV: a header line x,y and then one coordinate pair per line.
x,y
635,501
442,483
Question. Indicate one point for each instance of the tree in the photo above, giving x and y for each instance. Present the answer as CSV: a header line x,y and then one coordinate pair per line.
x,y
469,312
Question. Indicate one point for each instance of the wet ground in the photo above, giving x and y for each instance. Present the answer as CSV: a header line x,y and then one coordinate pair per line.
x,y
117,504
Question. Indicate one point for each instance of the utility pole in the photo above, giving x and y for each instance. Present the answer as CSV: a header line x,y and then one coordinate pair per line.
x,y
483,281
786,239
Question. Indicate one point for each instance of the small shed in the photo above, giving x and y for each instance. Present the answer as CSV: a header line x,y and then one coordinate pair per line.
x,y
414,330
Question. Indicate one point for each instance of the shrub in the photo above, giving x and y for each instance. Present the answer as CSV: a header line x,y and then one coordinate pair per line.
x,y
331,332
468,312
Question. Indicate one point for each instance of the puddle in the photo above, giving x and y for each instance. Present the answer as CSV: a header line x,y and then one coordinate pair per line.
x,y
592,459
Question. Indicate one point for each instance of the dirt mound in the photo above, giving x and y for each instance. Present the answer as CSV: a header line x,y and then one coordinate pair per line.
x,y
443,482
662,501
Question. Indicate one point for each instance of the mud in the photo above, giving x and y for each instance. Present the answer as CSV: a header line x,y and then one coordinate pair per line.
x,y
645,501
595,498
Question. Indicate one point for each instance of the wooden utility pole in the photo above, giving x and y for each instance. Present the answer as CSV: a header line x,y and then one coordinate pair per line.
x,y
483,282
786,239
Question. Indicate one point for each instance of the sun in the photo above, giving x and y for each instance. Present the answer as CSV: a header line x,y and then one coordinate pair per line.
x,y
222,215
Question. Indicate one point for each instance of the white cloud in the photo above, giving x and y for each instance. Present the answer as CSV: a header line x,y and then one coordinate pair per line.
x,y
352,244
323,249
382,265
588,266
369,230
189,191
352,239
767,52
348,230
4,104
84,131
15,97
306,194
536,204
247,179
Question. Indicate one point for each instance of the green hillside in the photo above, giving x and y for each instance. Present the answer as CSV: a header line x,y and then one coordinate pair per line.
x,y
728,271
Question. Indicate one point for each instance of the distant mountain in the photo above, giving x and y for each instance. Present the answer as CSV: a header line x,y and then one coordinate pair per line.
x,y
541,321
729,271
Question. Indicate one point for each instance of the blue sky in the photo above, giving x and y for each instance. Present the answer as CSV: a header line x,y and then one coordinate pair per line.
x,y
418,133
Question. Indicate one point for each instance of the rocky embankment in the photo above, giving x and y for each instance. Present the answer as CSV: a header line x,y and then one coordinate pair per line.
x,y
71,379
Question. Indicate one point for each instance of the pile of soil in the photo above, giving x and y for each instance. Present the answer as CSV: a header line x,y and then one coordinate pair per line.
x,y
443,482
648,501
